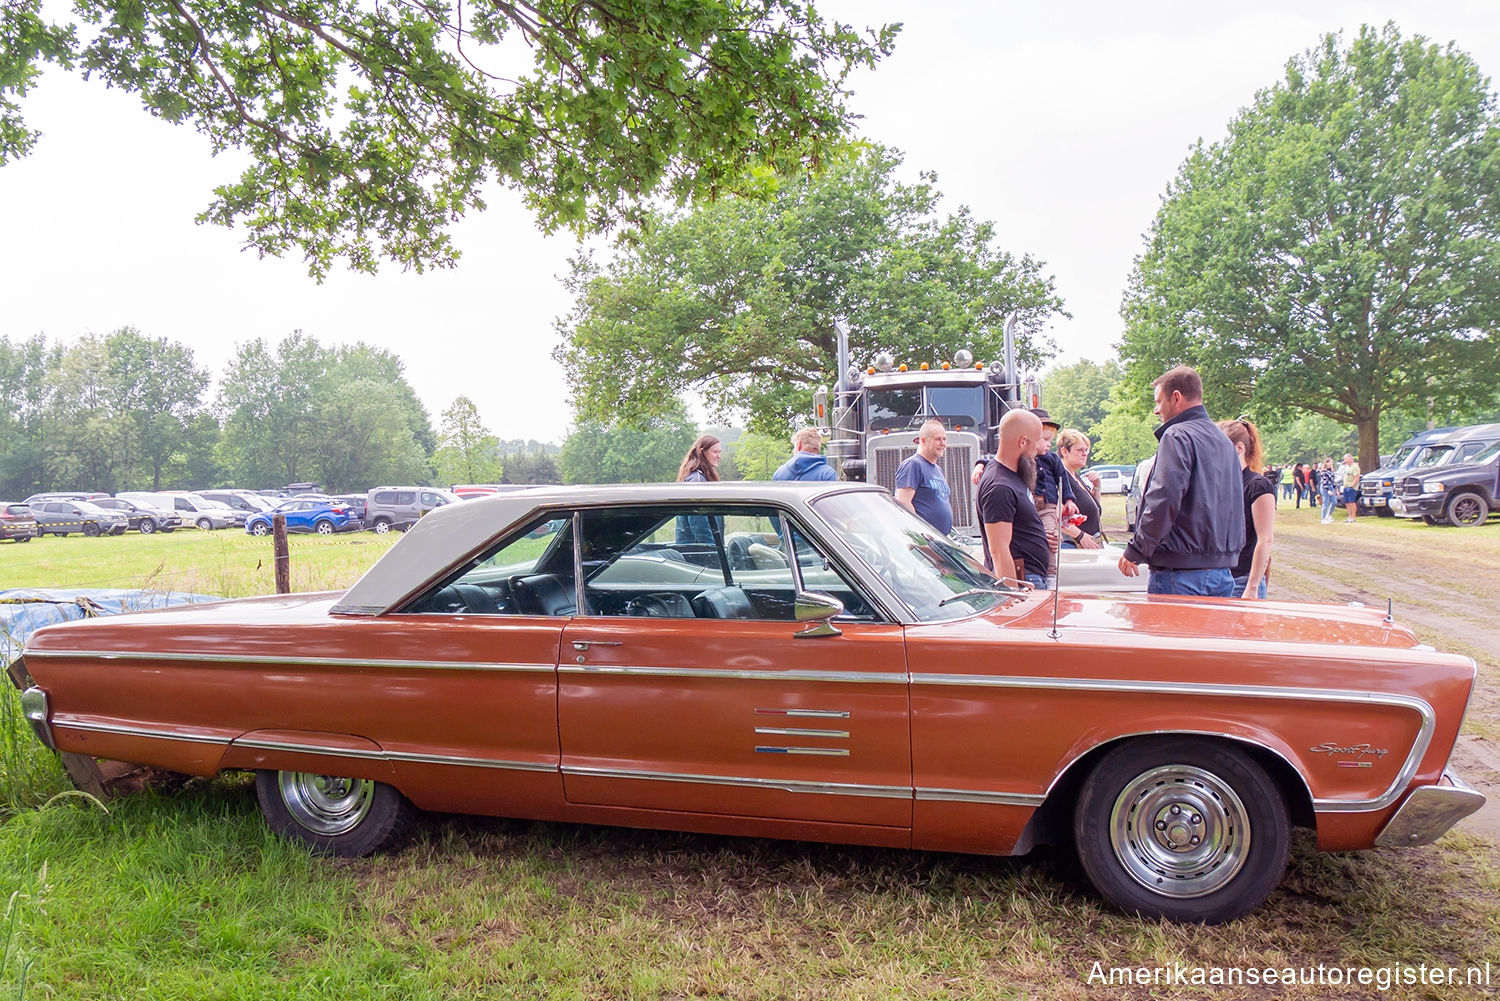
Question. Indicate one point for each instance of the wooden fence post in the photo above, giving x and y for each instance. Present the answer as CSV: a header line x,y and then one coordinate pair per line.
x,y
281,555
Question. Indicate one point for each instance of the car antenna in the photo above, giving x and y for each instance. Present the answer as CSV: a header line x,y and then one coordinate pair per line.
x,y
1057,576
1390,611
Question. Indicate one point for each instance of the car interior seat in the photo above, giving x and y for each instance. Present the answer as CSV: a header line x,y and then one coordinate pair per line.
x,y
724,603
664,605
543,594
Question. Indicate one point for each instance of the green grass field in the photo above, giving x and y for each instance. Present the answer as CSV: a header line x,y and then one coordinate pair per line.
x,y
185,895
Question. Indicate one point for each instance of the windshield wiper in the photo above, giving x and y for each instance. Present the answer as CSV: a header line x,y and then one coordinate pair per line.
x,y
973,591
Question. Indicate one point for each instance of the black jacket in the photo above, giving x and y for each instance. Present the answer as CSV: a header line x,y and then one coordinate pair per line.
x,y
1192,513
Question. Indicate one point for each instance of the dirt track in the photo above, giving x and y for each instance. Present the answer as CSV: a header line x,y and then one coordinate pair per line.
x,y
1443,582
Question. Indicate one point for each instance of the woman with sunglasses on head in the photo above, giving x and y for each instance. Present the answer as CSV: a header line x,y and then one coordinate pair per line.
x,y
1073,448
1253,570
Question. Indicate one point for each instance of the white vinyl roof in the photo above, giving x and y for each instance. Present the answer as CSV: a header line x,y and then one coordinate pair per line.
x,y
462,530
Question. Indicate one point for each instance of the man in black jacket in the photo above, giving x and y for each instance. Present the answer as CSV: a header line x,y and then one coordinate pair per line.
x,y
1191,525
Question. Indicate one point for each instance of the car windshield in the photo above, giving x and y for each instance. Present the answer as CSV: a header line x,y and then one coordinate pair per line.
x,y
929,573
1437,454
894,408
959,405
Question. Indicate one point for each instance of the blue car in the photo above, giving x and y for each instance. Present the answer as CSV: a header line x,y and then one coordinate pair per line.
x,y
306,515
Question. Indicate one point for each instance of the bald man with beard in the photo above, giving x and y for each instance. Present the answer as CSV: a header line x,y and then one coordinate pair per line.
x,y
1012,528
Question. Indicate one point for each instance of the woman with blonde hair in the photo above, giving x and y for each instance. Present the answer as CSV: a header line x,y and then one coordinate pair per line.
x,y
1253,571
1073,449
702,461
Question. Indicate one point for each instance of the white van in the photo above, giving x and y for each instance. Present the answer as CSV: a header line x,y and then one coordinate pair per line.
x,y
194,509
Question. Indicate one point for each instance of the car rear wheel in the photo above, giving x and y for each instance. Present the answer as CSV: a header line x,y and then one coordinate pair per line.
x,y
1467,510
334,815
260,528
91,530
382,526
147,526
205,524
325,527
1182,829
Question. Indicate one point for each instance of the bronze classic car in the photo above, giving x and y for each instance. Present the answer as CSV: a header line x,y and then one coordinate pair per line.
x,y
824,669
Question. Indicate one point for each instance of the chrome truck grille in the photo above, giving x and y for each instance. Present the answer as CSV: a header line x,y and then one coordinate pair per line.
x,y
886,452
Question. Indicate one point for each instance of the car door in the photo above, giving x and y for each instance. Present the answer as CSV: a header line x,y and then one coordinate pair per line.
x,y
663,705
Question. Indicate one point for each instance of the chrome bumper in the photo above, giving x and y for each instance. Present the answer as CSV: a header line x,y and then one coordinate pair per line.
x,y
34,707
1428,813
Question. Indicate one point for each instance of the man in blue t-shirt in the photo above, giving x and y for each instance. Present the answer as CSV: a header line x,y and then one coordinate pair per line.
x,y
921,487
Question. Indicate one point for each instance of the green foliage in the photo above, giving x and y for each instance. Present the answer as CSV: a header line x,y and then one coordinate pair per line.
x,y
1077,395
597,453
1339,251
757,456
370,128
467,451
344,417
1310,438
737,299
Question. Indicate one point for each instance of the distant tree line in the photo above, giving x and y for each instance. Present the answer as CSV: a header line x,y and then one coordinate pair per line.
x,y
126,411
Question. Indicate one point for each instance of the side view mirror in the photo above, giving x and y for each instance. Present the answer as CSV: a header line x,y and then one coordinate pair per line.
x,y
816,609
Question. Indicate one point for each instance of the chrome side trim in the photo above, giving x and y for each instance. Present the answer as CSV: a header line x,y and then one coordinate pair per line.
x,y
784,785
809,713
1420,706
798,731
832,752
927,794
429,665
847,677
320,749
383,755
35,708
161,733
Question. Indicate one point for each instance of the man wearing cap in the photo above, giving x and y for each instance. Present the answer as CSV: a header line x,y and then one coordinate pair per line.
x,y
1049,470
921,487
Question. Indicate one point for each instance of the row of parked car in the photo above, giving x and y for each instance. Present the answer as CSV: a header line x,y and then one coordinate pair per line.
x,y
1447,476
381,510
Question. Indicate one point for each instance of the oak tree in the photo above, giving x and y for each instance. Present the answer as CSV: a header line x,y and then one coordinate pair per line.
x,y
369,128
1339,251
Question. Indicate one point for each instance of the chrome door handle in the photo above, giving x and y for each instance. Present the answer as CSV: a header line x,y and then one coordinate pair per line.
x,y
585,644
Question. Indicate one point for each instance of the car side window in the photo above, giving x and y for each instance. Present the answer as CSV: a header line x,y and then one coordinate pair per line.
x,y
636,564
529,572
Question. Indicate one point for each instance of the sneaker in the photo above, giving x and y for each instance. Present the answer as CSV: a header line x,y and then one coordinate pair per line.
x,y
1328,521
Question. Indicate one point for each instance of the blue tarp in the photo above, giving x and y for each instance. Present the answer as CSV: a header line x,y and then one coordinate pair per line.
x,y
24,610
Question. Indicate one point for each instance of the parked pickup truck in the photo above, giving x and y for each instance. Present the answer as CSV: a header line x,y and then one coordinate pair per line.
x,y
1455,494
1376,487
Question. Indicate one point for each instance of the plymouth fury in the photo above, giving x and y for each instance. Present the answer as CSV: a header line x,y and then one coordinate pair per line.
x,y
792,660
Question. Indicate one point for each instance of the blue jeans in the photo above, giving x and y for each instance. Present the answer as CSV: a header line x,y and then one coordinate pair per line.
x,y
1330,501
1240,582
1205,583
1037,581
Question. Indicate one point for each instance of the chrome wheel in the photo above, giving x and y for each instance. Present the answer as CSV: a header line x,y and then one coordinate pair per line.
x,y
382,527
260,528
325,528
326,805
1180,831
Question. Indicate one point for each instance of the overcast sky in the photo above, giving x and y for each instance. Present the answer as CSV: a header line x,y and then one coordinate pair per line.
x,y
1063,125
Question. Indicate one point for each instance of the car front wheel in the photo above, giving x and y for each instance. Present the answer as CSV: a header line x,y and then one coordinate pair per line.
x,y
1467,510
91,530
147,526
334,815
260,528
204,524
1182,829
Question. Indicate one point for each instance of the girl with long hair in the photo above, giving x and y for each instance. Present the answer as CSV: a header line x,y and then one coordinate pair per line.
x,y
1253,570
702,461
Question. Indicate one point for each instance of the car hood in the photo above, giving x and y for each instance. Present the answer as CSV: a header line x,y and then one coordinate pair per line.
x,y
1207,620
